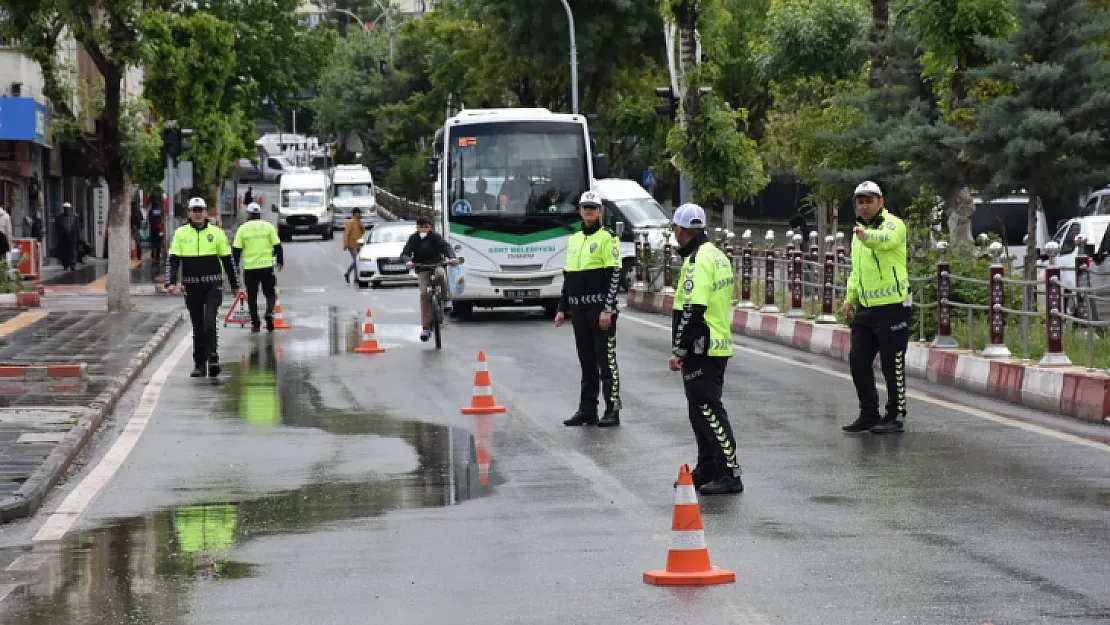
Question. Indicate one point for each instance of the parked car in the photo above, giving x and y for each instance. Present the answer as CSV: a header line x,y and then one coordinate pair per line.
x,y
379,259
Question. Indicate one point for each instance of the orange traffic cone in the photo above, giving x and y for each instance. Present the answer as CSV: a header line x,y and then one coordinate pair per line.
x,y
369,339
688,558
483,443
482,402
279,318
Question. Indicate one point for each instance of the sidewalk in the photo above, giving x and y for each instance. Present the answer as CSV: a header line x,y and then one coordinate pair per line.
x,y
61,374
92,277
1069,391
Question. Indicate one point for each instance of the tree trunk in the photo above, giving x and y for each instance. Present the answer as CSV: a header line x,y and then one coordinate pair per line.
x,y
726,216
119,248
687,22
880,15
960,209
1030,264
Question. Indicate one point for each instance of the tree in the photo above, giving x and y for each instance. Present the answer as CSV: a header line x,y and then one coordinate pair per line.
x,y
722,160
109,33
949,34
1049,131
609,35
190,79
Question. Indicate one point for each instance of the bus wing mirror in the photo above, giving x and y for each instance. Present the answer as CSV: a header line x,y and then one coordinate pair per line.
x,y
619,226
431,168
601,166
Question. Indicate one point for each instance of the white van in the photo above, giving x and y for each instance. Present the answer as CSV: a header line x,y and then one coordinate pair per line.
x,y
352,186
1008,218
626,201
304,207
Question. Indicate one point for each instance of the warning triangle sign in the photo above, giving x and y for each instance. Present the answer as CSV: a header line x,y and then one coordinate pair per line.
x,y
239,312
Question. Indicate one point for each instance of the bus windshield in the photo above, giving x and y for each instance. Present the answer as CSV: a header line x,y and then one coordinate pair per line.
x,y
346,190
307,198
516,171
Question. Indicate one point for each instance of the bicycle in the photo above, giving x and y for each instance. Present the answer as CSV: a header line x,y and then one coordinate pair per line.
x,y
433,295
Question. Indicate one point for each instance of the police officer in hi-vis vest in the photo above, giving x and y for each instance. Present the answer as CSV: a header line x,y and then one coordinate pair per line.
x,y
255,249
702,331
590,282
201,250
879,306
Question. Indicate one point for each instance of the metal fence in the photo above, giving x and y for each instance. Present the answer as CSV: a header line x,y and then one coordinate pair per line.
x,y
809,283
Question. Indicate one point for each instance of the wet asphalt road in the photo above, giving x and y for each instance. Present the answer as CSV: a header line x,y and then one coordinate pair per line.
x,y
315,485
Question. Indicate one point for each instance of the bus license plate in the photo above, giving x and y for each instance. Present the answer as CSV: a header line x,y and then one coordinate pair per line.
x,y
522,293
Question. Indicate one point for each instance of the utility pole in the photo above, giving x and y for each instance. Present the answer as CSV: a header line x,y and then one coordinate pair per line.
x,y
573,60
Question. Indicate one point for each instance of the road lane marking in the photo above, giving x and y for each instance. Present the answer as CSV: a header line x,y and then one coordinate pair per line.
x,y
74,505
975,412
6,589
28,562
20,321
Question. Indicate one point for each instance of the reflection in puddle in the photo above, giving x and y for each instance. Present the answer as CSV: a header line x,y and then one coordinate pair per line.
x,y
144,570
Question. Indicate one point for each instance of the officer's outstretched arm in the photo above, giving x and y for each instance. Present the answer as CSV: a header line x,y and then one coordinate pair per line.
x,y
691,323
888,237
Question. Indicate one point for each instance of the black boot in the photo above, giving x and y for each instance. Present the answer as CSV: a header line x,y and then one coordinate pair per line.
x,y
612,417
213,367
889,425
198,372
862,424
723,485
269,323
581,418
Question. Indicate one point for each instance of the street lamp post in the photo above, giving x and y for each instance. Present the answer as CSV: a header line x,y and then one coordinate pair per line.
x,y
573,61
388,12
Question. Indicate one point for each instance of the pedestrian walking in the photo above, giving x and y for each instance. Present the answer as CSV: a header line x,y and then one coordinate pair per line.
x,y
878,305
591,279
702,331
199,248
352,232
68,237
258,247
248,197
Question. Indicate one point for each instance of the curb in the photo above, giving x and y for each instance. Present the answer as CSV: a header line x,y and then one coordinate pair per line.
x,y
43,372
1068,391
20,300
26,501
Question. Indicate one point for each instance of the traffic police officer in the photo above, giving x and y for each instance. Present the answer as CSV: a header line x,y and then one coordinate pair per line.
x,y
879,290
257,245
590,282
200,248
702,330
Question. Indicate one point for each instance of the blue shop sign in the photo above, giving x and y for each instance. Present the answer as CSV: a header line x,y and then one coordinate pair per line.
x,y
22,119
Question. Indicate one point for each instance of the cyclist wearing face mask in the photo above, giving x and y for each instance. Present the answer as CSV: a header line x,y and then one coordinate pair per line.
x,y
426,247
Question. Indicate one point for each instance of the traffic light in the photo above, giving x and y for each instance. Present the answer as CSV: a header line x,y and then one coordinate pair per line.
x,y
670,109
182,134
171,143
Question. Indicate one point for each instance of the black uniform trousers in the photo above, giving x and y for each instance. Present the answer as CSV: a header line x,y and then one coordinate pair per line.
x,y
882,330
203,302
252,279
597,355
703,378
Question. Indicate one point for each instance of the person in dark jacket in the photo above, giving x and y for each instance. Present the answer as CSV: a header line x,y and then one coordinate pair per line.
x,y
426,247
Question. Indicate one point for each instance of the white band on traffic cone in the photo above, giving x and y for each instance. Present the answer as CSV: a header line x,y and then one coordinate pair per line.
x,y
685,494
690,540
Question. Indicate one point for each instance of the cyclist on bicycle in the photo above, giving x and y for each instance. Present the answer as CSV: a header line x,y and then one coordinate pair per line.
x,y
425,247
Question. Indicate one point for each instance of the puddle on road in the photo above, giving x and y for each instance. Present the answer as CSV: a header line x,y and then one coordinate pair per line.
x,y
143,570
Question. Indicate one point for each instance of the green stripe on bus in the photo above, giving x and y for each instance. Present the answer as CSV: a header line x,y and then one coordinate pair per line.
x,y
514,239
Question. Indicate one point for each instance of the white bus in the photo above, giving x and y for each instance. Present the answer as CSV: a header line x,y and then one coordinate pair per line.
x,y
507,189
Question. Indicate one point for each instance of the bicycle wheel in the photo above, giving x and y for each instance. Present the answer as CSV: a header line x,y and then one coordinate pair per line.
x,y
437,318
